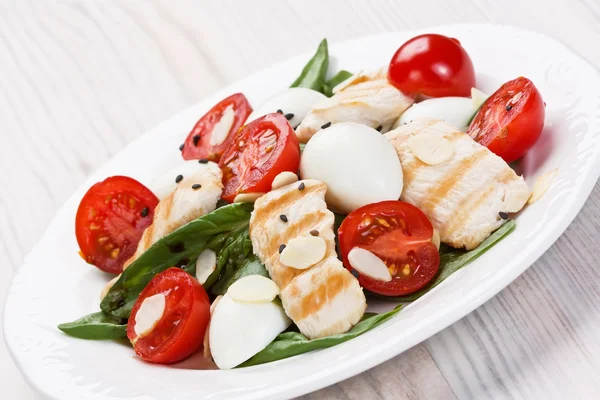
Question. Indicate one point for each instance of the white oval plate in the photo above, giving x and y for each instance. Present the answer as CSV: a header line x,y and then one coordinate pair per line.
x,y
55,285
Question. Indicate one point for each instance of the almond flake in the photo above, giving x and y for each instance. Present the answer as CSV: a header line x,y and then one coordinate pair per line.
x,y
303,252
253,289
542,185
435,239
368,264
247,197
206,263
149,313
283,179
432,149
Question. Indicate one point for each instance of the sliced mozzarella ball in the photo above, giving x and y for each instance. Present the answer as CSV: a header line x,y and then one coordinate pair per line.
x,y
166,183
240,330
454,110
247,197
303,252
253,289
432,149
149,313
222,128
358,164
206,263
297,101
368,264
477,98
108,286
542,185
283,179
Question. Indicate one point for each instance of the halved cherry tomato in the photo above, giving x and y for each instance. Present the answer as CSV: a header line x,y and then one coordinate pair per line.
x,y
400,235
227,116
261,150
110,220
433,65
511,120
180,331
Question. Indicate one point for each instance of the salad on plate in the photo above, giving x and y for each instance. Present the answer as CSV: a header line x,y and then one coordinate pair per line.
x,y
282,223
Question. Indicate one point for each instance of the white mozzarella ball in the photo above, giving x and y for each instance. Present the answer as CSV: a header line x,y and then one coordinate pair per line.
x,y
358,164
166,183
297,101
240,330
457,111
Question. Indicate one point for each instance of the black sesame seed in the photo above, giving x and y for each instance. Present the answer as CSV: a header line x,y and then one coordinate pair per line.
x,y
283,217
181,147
503,215
314,232
289,116
196,139
301,186
355,274
279,111
203,161
145,212
508,107
281,248
326,125
196,186
178,178
379,128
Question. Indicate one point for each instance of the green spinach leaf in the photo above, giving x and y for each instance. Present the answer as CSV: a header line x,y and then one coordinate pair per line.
x,y
96,326
290,344
181,247
314,73
452,261
338,78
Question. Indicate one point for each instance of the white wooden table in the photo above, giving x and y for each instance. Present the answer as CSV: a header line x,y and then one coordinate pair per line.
x,y
79,80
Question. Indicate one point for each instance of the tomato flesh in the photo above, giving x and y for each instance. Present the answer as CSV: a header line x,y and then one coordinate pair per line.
x,y
111,219
260,151
400,235
198,145
511,120
180,331
432,65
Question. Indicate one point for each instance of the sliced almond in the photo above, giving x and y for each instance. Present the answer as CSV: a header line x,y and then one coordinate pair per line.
x,y
247,197
108,286
253,289
432,149
435,239
303,252
149,313
221,129
206,341
206,263
368,264
542,185
283,179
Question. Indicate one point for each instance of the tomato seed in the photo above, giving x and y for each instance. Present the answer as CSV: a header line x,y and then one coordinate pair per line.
x,y
406,270
132,203
115,253
103,239
383,222
94,227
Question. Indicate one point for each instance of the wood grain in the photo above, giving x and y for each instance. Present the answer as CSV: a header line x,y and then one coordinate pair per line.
x,y
79,80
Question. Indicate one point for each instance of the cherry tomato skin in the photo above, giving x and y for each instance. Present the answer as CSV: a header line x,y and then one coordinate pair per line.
x,y
432,65
260,151
180,331
400,235
111,219
197,146
511,120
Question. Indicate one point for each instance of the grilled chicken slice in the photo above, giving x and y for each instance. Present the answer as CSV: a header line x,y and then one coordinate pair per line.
x,y
366,99
186,203
463,195
324,299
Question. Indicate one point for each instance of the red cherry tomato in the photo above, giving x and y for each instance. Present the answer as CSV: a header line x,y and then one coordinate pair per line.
x,y
511,120
261,150
433,65
180,331
110,220
400,235
200,143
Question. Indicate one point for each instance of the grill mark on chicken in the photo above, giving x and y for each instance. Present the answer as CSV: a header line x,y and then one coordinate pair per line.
x,y
276,207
